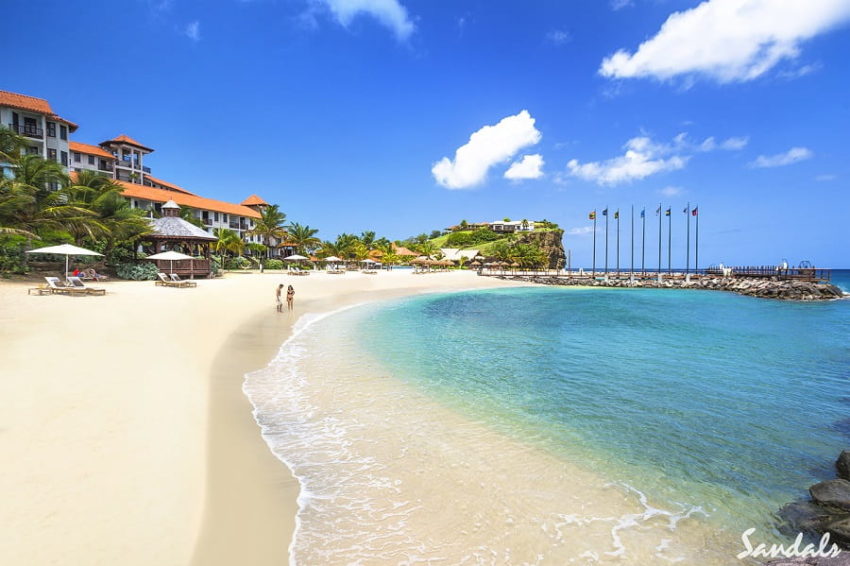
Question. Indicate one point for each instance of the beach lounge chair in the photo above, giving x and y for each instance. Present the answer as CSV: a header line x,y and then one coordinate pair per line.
x,y
181,282
77,283
57,288
165,280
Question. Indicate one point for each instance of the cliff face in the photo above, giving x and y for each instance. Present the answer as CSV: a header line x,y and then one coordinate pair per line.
x,y
550,242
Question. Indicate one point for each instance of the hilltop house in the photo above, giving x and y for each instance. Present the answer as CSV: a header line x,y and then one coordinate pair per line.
x,y
506,226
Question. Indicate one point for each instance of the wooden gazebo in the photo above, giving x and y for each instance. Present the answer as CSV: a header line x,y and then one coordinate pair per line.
x,y
173,233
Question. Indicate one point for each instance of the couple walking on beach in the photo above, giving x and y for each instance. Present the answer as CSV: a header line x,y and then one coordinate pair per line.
x,y
290,297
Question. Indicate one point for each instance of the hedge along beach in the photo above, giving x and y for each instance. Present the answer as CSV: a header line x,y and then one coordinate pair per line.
x,y
130,437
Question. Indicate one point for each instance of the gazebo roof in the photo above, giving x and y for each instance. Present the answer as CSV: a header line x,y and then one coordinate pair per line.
x,y
176,227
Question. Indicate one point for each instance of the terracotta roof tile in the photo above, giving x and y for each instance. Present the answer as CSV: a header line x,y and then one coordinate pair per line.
x,y
167,185
253,200
89,149
132,190
32,104
123,138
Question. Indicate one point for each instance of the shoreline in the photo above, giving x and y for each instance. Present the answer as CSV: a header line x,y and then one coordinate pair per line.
x,y
594,499
254,520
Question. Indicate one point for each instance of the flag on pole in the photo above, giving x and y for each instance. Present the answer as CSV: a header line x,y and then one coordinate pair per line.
x,y
617,215
685,210
694,211
605,212
643,213
667,212
658,210
592,216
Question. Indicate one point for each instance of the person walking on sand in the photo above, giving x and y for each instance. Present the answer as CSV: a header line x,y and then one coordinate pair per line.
x,y
277,293
290,297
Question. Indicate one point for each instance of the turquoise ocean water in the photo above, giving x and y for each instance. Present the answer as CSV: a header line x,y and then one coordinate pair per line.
x,y
731,404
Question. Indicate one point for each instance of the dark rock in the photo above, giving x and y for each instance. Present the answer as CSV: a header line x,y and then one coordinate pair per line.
x,y
839,530
832,493
803,516
842,559
842,465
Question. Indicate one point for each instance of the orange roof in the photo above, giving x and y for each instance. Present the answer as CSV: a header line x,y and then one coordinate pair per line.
x,y
132,190
32,104
401,250
89,149
254,200
167,185
128,140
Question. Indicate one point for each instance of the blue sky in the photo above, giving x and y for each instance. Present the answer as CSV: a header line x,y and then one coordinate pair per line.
x,y
351,113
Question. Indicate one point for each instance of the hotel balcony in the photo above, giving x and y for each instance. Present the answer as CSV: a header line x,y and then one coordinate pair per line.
x,y
29,131
127,163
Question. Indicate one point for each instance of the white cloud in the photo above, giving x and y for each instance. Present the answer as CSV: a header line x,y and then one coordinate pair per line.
x,y
580,231
671,191
731,144
487,147
643,158
558,37
793,155
193,31
728,40
390,13
826,177
529,167
620,4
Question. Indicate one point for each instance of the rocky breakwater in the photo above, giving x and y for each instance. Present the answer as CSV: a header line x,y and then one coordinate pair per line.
x,y
767,288
827,511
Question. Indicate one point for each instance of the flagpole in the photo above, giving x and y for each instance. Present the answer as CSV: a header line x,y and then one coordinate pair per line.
x,y
659,239
617,218
688,251
670,241
696,247
606,239
594,243
632,266
643,241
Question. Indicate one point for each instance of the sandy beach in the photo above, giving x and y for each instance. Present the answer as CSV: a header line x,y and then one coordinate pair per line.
x,y
125,434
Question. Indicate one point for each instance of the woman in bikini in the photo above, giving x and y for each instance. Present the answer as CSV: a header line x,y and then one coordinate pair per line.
x,y
290,297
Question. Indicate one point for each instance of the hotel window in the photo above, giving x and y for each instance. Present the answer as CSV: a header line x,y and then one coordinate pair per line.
x,y
51,129
215,216
77,157
63,132
64,158
91,159
31,150
51,154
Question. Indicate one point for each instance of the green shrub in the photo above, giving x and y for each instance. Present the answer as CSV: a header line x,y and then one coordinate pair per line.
x,y
238,262
144,271
273,264
467,238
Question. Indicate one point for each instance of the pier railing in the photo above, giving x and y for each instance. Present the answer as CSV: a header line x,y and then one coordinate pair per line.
x,y
779,272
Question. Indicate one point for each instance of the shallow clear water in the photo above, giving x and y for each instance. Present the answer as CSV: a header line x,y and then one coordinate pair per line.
x,y
546,425
730,403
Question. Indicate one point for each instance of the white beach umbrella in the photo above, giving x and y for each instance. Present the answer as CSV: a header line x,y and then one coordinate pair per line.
x,y
65,249
332,258
171,256
369,261
295,257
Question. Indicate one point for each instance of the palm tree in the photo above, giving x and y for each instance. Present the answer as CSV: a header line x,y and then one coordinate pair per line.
x,y
228,242
304,238
270,225
11,145
368,238
427,248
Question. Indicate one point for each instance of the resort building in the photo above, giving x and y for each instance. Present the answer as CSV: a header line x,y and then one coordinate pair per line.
x,y
512,226
122,158
46,133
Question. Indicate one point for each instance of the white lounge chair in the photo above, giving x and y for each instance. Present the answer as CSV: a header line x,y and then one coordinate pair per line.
x,y
57,288
181,282
77,283
165,280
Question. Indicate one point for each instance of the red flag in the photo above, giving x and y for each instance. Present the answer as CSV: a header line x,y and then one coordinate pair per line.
x,y
694,211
